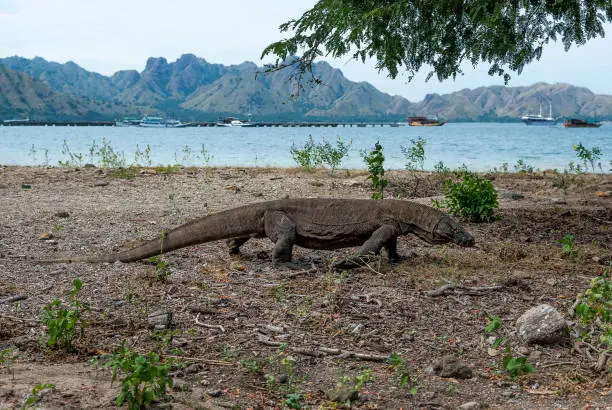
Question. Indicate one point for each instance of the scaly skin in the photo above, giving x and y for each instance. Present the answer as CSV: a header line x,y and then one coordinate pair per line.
x,y
322,223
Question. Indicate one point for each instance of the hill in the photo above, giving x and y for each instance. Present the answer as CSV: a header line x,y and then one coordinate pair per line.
x,y
193,89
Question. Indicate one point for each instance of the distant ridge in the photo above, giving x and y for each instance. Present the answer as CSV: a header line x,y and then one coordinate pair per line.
x,y
193,89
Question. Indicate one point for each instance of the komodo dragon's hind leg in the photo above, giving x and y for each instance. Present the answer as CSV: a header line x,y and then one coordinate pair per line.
x,y
281,230
385,236
234,244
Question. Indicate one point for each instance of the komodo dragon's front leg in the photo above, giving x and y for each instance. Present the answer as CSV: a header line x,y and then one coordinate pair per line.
x,y
281,230
383,237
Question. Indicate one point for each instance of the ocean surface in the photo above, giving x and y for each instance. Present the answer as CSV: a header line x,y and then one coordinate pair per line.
x,y
480,146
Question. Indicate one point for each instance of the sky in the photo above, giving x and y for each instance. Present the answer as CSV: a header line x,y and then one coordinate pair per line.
x,y
106,36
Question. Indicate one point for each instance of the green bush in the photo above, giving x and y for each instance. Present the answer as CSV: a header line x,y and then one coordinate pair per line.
x,y
63,321
375,160
145,377
473,197
312,155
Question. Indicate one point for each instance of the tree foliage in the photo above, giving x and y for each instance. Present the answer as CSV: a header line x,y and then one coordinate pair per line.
x,y
404,35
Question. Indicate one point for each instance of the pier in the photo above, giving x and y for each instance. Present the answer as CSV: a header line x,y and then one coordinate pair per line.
x,y
202,124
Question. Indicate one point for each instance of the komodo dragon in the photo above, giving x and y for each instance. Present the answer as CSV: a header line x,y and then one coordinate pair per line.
x,y
323,223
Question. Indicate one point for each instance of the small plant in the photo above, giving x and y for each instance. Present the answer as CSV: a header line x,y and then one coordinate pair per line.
x,y
308,156
332,156
145,377
516,366
74,159
502,169
355,384
415,154
7,358
401,369
473,197
63,321
251,366
568,247
205,156
143,158
162,271
35,394
493,325
375,160
294,400
595,308
522,167
590,156
563,180
441,168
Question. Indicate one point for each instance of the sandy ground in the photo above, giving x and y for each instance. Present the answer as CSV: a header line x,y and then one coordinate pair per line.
x,y
245,307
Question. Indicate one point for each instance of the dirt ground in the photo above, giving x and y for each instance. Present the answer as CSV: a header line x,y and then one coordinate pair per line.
x,y
248,335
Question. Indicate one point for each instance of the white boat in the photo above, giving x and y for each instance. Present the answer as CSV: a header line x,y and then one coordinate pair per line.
x,y
233,122
128,122
539,119
159,122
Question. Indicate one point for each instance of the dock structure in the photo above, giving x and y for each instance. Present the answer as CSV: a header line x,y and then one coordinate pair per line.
x,y
202,124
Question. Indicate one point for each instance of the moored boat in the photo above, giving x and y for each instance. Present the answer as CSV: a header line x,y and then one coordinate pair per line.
x,y
159,122
420,121
580,123
539,119
233,122
128,122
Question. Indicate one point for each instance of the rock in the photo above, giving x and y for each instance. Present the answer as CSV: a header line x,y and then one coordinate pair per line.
x,y
558,201
534,356
45,236
542,324
160,319
449,366
193,368
214,393
470,405
602,194
62,214
343,394
180,385
26,186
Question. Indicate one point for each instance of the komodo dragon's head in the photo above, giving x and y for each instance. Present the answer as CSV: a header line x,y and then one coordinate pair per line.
x,y
441,229
448,230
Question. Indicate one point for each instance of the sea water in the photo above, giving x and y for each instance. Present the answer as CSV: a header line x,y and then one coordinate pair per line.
x,y
479,146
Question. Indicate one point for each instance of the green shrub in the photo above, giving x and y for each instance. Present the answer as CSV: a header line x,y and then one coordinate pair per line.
x,y
375,160
332,156
63,321
590,156
595,308
308,156
472,196
415,154
145,377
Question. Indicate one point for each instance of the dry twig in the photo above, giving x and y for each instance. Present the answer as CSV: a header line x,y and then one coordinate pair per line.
x,y
206,325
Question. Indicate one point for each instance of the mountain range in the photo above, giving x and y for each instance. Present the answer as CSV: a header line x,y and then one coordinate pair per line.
x,y
193,89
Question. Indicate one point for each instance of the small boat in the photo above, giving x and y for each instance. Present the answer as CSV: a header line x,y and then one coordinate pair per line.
x,y
233,122
159,122
128,122
539,119
16,121
579,123
420,121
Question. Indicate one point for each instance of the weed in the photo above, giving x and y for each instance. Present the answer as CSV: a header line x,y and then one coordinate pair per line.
x,y
107,156
590,156
162,271
74,159
332,156
168,169
522,167
308,156
205,156
62,322
144,156
503,168
375,160
145,377
294,400
473,197
441,168
568,247
35,394
415,154
251,366
355,384
7,358
516,366
595,308
563,180
401,369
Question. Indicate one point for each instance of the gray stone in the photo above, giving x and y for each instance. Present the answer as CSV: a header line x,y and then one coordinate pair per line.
x,y
542,325
160,319
470,405
449,366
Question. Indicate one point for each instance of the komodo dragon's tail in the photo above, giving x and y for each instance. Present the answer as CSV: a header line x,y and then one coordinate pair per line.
x,y
228,224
